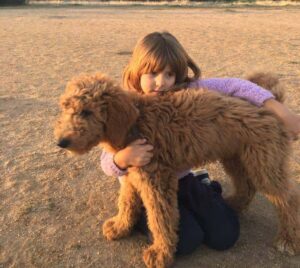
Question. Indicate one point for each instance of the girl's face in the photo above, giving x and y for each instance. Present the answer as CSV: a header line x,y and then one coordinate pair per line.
x,y
156,82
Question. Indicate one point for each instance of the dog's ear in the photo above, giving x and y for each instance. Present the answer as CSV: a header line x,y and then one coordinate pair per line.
x,y
121,116
71,103
65,102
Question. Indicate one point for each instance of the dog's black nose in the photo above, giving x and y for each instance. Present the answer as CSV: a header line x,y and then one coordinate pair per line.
x,y
64,143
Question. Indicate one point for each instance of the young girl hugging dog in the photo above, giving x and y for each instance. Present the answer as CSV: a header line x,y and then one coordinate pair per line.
x,y
160,63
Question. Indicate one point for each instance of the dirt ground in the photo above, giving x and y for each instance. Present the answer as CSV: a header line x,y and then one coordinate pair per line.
x,y
53,205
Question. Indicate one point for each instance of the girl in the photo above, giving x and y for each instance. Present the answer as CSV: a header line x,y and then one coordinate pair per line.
x,y
160,63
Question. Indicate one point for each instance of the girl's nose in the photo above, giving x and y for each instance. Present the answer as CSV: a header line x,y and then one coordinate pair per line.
x,y
160,80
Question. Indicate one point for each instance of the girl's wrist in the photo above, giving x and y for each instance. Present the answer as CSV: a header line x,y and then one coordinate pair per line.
x,y
119,162
276,107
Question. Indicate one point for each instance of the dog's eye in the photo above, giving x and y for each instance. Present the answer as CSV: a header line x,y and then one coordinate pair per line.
x,y
85,113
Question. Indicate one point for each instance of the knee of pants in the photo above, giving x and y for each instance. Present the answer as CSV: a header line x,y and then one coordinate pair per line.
x,y
224,239
190,234
190,242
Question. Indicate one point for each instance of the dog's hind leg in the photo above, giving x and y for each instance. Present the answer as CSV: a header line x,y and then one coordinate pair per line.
x,y
268,170
129,205
244,189
284,195
159,196
287,204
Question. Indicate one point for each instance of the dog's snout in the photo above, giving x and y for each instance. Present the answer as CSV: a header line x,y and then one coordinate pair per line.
x,y
64,143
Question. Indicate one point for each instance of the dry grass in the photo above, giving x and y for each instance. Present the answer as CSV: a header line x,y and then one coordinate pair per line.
x,y
52,206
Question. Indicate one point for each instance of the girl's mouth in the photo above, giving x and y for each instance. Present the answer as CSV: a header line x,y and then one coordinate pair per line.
x,y
158,90
153,93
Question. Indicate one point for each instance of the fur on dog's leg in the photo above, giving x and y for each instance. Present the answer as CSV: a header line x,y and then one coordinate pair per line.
x,y
284,195
286,201
160,201
244,190
129,205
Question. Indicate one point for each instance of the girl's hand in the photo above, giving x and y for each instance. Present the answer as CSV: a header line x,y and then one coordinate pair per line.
x,y
290,119
292,122
136,154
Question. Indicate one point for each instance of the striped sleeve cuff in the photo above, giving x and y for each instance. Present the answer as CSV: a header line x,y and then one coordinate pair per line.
x,y
109,167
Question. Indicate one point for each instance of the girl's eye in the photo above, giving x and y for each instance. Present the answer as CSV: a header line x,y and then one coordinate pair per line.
x,y
85,113
153,73
170,74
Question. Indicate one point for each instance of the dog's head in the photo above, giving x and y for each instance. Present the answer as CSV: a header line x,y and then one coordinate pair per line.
x,y
94,109
82,120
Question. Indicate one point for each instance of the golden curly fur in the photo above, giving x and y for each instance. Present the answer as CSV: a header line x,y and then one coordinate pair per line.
x,y
187,128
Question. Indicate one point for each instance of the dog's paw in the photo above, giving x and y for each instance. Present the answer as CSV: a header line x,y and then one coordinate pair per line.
x,y
114,229
289,246
156,257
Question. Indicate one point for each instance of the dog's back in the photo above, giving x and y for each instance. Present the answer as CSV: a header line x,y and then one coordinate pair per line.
x,y
207,124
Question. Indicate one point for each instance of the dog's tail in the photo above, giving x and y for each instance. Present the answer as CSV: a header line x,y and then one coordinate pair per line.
x,y
270,82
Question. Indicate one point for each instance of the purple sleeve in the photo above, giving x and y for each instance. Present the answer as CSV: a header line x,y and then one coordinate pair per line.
x,y
109,167
235,87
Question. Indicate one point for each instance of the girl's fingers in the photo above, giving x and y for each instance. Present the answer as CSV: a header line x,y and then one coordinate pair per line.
x,y
293,135
142,163
144,143
148,155
149,147
295,138
146,158
145,162
139,142
143,149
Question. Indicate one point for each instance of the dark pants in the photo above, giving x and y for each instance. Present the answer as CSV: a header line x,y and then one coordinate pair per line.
x,y
204,217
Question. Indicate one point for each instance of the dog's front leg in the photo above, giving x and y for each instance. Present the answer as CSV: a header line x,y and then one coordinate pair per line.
x,y
159,196
129,205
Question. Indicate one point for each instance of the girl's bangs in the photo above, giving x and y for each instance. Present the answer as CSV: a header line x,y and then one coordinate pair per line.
x,y
158,60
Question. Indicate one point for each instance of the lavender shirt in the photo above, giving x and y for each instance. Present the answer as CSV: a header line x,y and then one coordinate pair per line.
x,y
229,86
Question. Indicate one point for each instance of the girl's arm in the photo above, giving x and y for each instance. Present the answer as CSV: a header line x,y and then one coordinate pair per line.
x,y
256,95
235,87
289,118
109,167
136,154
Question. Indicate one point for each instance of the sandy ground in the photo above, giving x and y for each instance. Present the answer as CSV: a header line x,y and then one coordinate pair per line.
x,y
53,205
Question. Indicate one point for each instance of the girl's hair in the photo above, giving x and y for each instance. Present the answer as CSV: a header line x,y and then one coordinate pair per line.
x,y
152,54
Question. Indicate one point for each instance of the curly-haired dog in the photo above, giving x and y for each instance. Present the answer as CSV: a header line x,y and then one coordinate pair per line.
x,y
188,128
